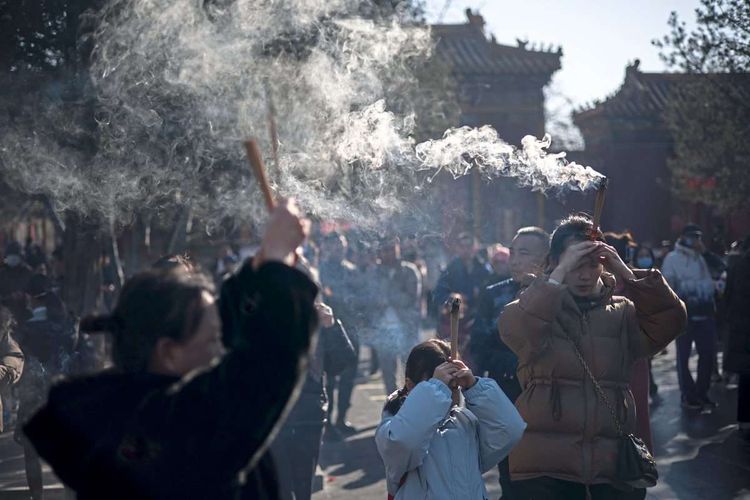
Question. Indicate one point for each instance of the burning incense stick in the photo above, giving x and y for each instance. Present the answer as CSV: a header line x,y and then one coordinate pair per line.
x,y
599,207
259,170
455,308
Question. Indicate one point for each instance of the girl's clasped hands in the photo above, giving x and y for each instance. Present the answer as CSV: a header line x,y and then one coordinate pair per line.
x,y
454,373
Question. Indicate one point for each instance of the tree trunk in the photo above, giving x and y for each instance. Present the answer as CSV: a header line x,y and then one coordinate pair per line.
x,y
82,250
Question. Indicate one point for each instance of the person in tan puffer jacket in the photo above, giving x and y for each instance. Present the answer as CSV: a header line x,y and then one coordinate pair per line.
x,y
570,446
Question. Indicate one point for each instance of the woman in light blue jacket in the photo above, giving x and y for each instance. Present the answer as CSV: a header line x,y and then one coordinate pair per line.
x,y
433,448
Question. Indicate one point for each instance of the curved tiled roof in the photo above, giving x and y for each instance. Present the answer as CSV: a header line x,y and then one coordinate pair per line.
x,y
466,49
646,94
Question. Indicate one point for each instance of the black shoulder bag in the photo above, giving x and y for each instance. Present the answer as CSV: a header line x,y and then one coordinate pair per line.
x,y
636,466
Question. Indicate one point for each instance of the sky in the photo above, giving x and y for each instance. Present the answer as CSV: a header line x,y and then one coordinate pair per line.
x,y
599,37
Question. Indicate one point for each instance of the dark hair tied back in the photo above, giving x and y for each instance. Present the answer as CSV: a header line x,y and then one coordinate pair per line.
x,y
420,365
153,305
395,401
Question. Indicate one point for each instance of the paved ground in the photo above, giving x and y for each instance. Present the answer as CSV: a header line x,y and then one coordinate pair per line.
x,y
352,469
700,455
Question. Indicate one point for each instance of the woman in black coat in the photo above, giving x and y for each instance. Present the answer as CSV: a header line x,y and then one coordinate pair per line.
x,y
175,419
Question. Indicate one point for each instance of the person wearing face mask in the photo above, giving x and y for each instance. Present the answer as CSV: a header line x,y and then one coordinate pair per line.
x,y
644,258
561,322
687,272
14,279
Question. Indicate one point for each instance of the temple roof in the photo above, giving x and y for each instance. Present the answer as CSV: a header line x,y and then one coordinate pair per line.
x,y
467,50
646,94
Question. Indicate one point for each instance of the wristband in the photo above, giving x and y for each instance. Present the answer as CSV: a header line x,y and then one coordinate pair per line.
x,y
553,281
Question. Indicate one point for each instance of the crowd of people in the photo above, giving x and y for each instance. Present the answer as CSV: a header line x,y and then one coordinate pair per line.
x,y
224,384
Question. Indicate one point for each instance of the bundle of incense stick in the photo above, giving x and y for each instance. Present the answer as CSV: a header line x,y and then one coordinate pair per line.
x,y
598,208
455,309
259,171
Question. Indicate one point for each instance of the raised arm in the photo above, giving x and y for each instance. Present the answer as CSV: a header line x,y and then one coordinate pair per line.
x,y
658,315
215,421
268,315
403,439
500,424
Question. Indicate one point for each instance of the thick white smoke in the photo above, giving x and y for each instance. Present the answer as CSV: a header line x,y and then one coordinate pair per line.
x,y
461,149
176,85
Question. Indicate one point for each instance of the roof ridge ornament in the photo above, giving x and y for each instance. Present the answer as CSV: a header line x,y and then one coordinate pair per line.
x,y
633,68
475,19
632,74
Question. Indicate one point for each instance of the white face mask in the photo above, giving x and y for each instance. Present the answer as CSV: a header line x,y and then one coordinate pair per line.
x,y
13,260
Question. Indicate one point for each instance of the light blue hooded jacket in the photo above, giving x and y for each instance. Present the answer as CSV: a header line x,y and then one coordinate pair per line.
x,y
441,451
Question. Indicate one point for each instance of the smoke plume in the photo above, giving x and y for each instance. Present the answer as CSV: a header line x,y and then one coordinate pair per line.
x,y
462,149
175,86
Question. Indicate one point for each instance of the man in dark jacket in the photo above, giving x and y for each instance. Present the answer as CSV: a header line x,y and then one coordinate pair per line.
x,y
527,255
737,352
465,277
14,279
465,274
340,281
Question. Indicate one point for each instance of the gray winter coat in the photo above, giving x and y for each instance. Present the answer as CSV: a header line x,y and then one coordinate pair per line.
x,y
434,451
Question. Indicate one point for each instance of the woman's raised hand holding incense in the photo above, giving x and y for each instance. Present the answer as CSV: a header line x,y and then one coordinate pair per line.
x,y
286,230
